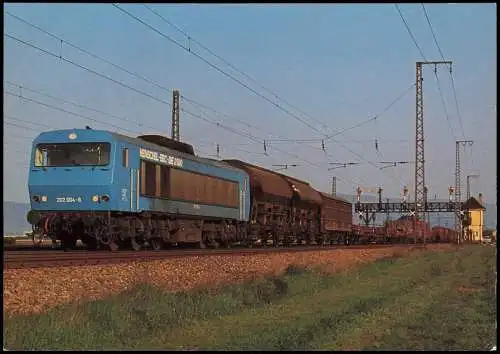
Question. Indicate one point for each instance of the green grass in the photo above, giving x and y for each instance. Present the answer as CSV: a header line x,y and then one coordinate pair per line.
x,y
441,301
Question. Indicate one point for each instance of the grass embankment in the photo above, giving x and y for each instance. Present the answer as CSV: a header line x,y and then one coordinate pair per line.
x,y
442,300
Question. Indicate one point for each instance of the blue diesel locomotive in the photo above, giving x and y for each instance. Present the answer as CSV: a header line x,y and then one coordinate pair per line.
x,y
113,191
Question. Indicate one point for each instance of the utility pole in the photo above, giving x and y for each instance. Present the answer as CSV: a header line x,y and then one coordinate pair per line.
x,y
334,186
458,195
387,213
425,208
468,184
419,140
175,115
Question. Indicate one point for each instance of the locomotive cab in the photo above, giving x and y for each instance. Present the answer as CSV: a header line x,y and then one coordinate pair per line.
x,y
71,170
70,183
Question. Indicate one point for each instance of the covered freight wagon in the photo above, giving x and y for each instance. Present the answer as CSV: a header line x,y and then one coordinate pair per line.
x,y
336,214
270,196
336,218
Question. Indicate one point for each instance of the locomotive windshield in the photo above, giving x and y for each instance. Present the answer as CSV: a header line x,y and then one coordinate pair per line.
x,y
72,154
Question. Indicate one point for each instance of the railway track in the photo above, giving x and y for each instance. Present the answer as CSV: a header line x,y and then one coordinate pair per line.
x,y
58,258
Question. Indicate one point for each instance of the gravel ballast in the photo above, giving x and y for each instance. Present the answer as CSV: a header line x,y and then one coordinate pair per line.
x,y
29,291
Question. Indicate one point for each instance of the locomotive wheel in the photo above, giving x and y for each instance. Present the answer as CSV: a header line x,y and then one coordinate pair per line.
x,y
156,244
135,246
68,243
113,246
167,245
92,243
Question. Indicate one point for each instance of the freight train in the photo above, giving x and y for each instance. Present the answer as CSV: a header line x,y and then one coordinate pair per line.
x,y
113,191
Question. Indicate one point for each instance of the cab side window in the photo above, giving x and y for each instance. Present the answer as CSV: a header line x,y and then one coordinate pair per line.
x,y
125,157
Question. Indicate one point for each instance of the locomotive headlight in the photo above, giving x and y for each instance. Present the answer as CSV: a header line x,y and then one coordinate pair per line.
x,y
105,198
44,198
95,198
36,198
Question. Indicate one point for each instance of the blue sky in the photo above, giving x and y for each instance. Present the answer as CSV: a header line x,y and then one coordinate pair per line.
x,y
340,64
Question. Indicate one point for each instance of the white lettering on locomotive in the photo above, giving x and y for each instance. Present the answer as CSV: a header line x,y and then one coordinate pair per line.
x,y
161,158
69,199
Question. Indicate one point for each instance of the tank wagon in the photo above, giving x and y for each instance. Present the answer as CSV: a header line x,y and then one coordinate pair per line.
x,y
113,191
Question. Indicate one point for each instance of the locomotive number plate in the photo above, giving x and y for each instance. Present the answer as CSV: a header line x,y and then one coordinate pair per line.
x,y
68,199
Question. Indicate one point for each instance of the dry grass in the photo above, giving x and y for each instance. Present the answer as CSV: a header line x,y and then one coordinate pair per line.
x,y
36,290
416,301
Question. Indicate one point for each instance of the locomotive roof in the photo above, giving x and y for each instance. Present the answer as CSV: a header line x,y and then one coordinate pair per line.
x,y
184,155
168,143
145,144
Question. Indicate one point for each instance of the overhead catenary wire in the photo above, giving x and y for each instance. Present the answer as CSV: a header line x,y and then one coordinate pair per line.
x,y
432,31
21,126
93,55
187,49
235,131
46,126
232,66
139,76
451,73
113,125
410,33
10,135
130,72
219,123
397,99
97,57
66,111
350,150
456,103
425,59
444,106
59,56
251,137
119,83
298,157
223,72
9,117
79,105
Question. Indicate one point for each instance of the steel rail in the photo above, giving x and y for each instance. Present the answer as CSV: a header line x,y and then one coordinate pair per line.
x,y
59,258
